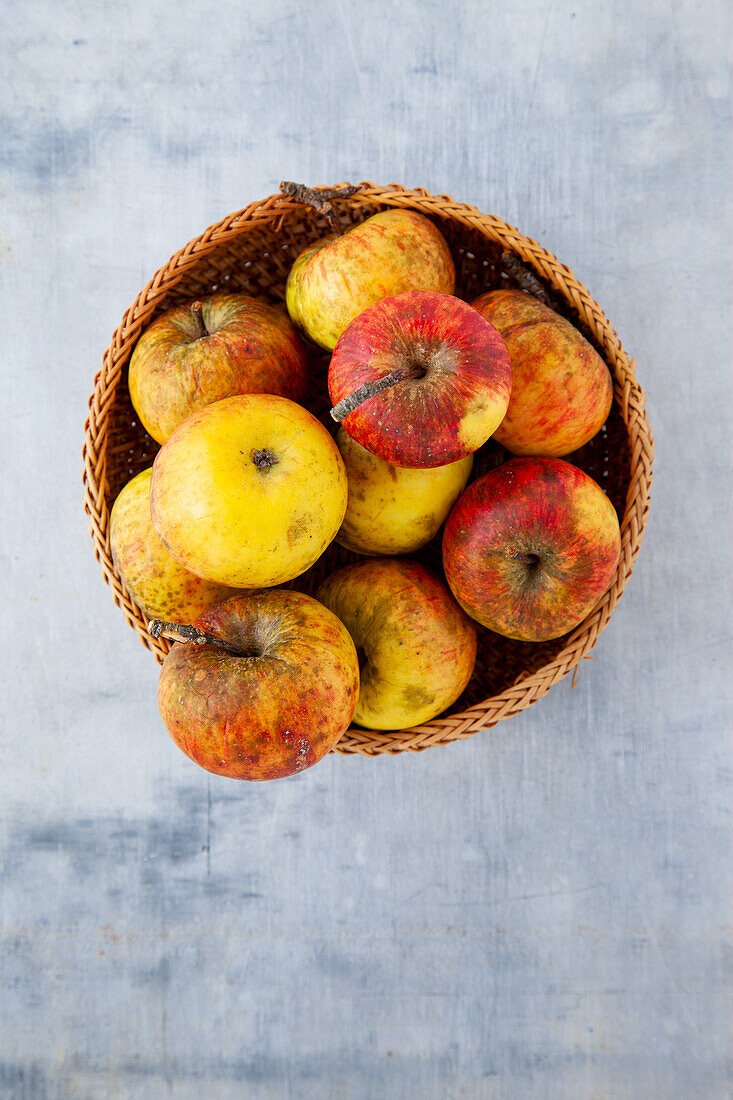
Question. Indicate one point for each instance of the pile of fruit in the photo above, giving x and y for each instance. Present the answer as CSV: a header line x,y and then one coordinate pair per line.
x,y
249,488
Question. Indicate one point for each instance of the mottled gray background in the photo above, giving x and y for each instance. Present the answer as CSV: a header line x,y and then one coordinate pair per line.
x,y
538,912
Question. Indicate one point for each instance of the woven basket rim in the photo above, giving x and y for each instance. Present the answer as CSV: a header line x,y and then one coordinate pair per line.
x,y
628,395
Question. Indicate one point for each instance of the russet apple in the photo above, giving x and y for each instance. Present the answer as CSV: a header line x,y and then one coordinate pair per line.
x,y
531,547
561,388
393,509
248,491
337,277
263,686
200,352
420,379
417,647
160,587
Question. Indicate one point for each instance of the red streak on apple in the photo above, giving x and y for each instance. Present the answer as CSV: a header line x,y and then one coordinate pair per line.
x,y
460,391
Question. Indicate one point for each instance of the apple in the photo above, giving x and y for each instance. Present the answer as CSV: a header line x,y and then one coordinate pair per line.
x,y
531,547
561,389
337,277
420,379
263,685
248,491
417,647
202,351
393,509
157,583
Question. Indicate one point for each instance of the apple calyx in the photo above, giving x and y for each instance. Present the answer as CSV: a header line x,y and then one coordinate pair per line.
x,y
264,459
183,632
370,389
319,198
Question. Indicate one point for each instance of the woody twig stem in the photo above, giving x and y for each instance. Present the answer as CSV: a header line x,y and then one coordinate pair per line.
x,y
371,389
319,198
523,277
182,632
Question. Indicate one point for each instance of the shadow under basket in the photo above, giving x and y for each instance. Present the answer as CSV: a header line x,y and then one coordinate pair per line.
x,y
252,251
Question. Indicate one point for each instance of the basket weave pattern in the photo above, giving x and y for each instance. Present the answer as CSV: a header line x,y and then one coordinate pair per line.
x,y
252,251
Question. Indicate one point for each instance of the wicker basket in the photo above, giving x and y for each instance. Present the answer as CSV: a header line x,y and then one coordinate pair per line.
x,y
252,251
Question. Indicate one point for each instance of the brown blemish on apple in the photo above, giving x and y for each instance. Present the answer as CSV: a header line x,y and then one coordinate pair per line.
x,y
298,529
416,696
304,754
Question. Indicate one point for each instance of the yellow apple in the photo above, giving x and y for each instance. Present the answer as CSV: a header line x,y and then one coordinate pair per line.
x,y
248,491
160,587
417,647
335,279
394,509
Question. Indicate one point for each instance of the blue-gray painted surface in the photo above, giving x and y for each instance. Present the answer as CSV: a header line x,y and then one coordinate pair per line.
x,y
539,912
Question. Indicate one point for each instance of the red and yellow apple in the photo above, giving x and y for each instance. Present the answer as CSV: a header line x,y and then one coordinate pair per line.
x,y
337,277
561,388
199,352
530,548
417,647
393,509
160,587
420,380
270,690
248,491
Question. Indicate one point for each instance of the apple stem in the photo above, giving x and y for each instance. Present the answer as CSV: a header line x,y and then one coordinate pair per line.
x,y
319,198
182,632
196,308
523,277
370,389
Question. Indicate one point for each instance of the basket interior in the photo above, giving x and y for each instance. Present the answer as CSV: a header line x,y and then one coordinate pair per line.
x,y
255,259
